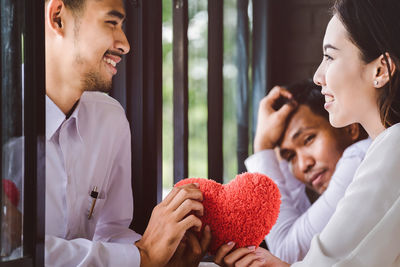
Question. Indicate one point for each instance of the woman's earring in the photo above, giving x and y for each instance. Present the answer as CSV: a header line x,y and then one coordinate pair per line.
x,y
376,83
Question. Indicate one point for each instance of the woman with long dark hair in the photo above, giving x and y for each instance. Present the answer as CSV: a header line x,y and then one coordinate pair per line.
x,y
359,75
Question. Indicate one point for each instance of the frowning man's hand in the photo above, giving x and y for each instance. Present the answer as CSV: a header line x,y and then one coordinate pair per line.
x,y
271,123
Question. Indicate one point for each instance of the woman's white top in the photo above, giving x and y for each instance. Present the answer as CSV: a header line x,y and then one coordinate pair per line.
x,y
298,221
365,228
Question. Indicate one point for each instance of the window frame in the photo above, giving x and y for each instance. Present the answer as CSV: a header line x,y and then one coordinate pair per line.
x,y
34,130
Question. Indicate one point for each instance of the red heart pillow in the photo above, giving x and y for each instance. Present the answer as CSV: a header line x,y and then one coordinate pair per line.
x,y
11,191
242,211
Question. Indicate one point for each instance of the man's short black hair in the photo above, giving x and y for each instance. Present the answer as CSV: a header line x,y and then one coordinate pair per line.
x,y
75,5
307,93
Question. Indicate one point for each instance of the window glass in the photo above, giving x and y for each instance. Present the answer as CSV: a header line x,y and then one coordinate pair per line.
x,y
168,127
197,95
12,130
197,82
198,111
230,88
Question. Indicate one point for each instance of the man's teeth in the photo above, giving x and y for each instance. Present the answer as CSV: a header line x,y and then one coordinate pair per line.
x,y
110,61
328,99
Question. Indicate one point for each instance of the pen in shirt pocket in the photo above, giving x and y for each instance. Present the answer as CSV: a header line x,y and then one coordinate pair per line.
x,y
94,195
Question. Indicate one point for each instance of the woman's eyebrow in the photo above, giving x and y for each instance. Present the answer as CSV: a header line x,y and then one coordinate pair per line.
x,y
327,46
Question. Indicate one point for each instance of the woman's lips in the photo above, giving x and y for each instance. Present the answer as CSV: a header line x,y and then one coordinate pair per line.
x,y
327,105
329,99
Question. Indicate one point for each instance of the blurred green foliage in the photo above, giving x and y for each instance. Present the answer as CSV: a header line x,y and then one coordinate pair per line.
x,y
197,64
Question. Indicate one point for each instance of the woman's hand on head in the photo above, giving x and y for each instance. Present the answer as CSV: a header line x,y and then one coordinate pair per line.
x,y
271,123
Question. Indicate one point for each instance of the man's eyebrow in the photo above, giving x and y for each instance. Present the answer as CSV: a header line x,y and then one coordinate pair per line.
x,y
115,13
330,46
299,132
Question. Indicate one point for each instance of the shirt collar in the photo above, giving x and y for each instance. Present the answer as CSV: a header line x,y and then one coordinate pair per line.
x,y
55,117
74,116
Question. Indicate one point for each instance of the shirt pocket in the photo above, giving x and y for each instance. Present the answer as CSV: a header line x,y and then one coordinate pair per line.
x,y
94,206
87,226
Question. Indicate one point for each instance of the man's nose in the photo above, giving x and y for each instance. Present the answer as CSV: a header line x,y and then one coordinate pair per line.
x,y
121,42
305,162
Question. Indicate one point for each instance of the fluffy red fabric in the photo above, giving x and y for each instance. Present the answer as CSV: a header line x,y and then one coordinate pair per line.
x,y
242,211
11,191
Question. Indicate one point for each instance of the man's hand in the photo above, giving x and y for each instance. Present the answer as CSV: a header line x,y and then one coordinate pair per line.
x,y
190,250
243,257
168,223
271,123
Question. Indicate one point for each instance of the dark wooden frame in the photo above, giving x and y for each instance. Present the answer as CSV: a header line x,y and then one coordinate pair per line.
x,y
243,94
180,104
139,88
34,130
35,182
215,90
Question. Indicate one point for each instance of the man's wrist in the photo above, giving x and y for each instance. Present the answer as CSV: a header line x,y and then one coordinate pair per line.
x,y
144,254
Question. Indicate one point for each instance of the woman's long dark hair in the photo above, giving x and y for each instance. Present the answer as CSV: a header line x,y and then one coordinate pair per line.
x,y
374,27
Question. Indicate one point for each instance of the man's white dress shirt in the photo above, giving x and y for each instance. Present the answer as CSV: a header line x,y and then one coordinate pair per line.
x,y
298,221
90,148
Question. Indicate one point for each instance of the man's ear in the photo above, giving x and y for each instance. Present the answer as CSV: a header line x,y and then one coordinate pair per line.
x,y
54,18
353,131
384,63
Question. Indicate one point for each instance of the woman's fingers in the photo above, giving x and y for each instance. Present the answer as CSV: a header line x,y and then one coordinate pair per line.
x,y
222,252
247,260
238,254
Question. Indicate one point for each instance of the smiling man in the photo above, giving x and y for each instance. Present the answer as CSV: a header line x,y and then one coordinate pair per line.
x,y
316,158
89,203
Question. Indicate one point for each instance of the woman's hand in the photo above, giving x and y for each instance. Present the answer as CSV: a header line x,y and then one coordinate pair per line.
x,y
249,256
271,123
234,258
